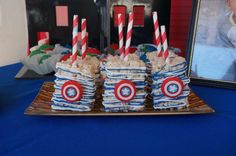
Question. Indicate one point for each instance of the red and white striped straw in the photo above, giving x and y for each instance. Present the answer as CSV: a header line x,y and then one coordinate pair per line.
x,y
83,36
157,34
75,39
164,43
120,33
129,35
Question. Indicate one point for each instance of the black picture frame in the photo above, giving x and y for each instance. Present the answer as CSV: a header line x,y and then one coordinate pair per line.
x,y
190,51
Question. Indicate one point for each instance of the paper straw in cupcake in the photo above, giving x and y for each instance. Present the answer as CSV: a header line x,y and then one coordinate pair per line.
x,y
129,35
75,39
120,33
164,43
157,34
83,36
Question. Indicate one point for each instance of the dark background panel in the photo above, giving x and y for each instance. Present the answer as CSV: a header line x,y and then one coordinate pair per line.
x,y
41,16
145,34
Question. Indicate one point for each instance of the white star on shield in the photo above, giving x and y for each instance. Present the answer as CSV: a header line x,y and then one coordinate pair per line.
x,y
125,91
71,92
173,88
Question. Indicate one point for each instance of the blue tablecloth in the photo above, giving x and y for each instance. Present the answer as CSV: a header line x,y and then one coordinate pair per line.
x,y
21,135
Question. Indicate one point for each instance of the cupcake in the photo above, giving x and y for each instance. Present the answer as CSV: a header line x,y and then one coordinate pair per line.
x,y
124,86
75,86
170,88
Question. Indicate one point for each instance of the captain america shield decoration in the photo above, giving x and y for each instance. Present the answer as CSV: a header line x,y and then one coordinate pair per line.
x,y
125,91
71,91
172,87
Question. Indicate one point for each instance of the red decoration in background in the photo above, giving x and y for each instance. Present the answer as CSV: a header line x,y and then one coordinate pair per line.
x,y
93,51
42,35
119,9
43,38
65,57
132,50
138,15
62,15
181,11
114,46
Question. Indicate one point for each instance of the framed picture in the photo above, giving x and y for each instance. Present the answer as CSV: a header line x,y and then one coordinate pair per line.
x,y
212,46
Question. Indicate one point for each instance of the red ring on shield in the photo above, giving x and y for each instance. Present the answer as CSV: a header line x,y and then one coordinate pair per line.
x,y
172,87
72,91
125,91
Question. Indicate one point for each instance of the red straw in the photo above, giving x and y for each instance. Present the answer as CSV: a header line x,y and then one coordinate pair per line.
x,y
129,35
157,34
164,42
75,39
83,36
120,33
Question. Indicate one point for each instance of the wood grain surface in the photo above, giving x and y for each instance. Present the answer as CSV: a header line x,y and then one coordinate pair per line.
x,y
42,106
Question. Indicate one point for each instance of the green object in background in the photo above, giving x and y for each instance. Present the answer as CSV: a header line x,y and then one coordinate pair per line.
x,y
144,49
92,55
45,47
41,49
111,51
44,57
35,52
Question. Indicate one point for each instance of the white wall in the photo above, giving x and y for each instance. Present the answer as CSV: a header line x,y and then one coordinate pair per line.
x,y
13,31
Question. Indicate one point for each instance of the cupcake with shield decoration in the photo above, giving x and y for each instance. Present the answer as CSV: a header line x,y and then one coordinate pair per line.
x,y
75,83
170,88
125,77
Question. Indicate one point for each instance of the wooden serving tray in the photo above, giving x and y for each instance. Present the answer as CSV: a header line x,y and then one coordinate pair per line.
x,y
42,106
